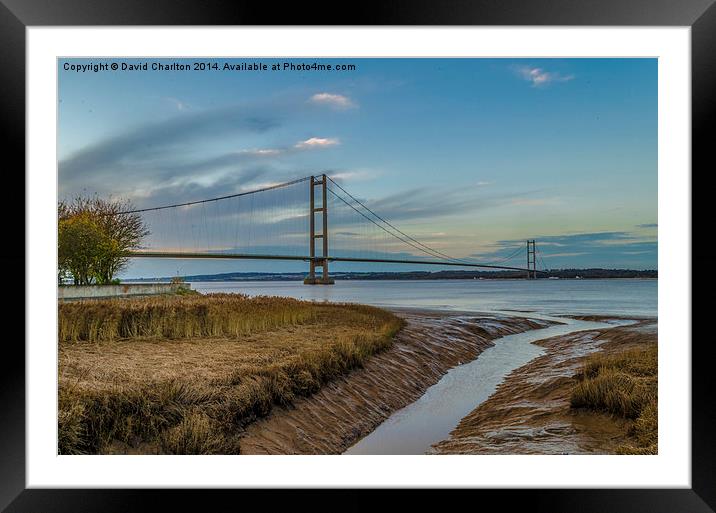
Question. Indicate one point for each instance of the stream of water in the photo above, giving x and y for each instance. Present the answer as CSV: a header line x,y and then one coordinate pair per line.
x,y
430,419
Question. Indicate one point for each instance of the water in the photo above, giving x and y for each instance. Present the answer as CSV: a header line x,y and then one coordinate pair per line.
x,y
413,429
624,297
430,419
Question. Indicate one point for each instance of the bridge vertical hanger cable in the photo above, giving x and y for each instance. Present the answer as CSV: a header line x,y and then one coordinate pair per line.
x,y
517,251
539,255
431,251
236,215
206,230
194,238
225,222
273,225
252,223
426,249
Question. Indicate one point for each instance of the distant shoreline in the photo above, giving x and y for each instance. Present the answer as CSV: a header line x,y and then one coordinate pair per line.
x,y
563,274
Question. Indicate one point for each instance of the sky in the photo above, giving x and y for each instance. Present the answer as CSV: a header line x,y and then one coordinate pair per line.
x,y
469,156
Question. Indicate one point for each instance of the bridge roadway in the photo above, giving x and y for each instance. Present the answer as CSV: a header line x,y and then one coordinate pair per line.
x,y
243,256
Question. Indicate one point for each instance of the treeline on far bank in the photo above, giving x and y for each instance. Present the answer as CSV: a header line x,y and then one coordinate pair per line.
x,y
424,275
447,275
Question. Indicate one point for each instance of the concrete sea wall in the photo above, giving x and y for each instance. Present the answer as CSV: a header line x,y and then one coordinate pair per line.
x,y
123,290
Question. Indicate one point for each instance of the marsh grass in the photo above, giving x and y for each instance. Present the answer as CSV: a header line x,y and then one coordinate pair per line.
x,y
178,316
624,384
128,376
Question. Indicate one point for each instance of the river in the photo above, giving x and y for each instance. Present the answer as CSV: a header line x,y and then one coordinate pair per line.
x,y
622,297
413,429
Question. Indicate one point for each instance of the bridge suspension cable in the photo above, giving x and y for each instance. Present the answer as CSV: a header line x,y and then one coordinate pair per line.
x,y
518,251
410,240
218,198
277,225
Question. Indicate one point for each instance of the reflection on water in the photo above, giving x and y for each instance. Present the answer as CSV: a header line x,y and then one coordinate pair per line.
x,y
556,297
430,419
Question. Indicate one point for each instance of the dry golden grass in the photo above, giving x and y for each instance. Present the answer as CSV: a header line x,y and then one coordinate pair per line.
x,y
178,316
192,394
624,384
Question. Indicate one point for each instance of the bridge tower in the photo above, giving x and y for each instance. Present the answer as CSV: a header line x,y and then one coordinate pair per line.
x,y
318,261
531,260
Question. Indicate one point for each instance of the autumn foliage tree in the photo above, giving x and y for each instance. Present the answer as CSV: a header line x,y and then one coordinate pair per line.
x,y
94,236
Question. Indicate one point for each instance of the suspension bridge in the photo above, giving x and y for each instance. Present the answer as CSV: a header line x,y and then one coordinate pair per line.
x,y
290,221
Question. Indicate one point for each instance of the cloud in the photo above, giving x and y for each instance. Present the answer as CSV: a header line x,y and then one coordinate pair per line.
x,y
432,203
578,241
226,160
236,158
169,155
609,249
179,104
616,238
335,101
156,145
575,253
539,77
316,142
269,152
532,202
353,175
183,189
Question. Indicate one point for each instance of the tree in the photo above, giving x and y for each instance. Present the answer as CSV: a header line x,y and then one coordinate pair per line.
x,y
80,240
94,236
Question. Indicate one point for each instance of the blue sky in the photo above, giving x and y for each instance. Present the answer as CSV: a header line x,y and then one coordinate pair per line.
x,y
471,156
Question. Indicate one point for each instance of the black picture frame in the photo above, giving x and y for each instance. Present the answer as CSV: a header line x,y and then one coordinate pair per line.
x,y
17,15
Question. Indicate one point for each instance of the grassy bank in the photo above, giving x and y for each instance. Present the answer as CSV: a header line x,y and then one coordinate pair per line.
x,y
179,316
184,375
624,383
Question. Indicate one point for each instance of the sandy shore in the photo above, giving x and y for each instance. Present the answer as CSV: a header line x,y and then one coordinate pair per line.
x,y
349,408
530,411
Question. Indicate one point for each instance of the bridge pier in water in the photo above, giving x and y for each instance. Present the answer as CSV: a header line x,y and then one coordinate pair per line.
x,y
531,260
318,261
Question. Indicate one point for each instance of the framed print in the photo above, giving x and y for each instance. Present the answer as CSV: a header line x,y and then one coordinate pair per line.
x,y
423,247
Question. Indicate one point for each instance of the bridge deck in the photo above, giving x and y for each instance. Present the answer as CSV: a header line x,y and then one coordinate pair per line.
x,y
245,256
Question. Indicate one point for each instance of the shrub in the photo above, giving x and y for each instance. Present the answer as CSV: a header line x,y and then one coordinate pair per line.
x,y
624,384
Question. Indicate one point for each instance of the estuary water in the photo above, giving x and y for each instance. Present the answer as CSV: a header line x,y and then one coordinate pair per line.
x,y
623,297
430,419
